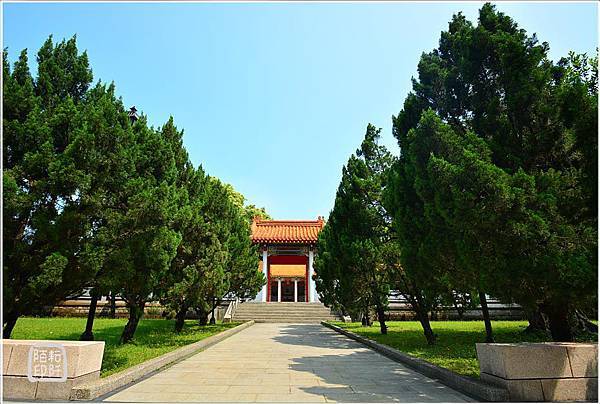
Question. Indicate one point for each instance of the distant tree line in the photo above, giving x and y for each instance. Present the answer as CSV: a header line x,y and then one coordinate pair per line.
x,y
494,191
95,199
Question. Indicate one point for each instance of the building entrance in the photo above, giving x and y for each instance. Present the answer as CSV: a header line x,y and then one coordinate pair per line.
x,y
287,290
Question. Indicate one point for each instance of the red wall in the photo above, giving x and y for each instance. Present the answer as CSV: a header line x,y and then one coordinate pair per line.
x,y
287,259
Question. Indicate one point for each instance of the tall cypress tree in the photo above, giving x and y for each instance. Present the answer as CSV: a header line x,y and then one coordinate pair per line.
x,y
530,232
350,270
49,236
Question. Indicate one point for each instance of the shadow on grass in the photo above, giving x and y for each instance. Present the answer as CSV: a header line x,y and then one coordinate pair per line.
x,y
153,337
455,345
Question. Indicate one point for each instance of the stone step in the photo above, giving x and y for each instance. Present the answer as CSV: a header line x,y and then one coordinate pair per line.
x,y
308,321
283,315
260,313
256,315
304,306
277,307
287,304
286,320
284,312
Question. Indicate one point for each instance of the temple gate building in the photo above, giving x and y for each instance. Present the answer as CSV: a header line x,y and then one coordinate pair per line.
x,y
287,257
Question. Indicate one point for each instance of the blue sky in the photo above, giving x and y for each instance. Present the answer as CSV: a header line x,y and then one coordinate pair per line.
x,y
273,98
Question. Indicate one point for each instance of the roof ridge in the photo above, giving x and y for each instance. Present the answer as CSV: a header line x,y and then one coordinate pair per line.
x,y
266,222
278,231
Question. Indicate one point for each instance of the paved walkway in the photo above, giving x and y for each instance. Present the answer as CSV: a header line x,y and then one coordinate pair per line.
x,y
288,363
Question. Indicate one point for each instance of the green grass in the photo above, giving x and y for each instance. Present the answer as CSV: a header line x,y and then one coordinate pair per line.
x,y
455,346
152,338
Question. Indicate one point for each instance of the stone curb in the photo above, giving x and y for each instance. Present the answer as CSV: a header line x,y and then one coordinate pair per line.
x,y
93,390
473,388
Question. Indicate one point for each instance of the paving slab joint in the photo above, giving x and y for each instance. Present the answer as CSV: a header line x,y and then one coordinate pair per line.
x,y
471,387
107,385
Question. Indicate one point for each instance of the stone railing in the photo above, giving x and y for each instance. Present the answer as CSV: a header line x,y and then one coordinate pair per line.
x,y
230,312
48,370
552,371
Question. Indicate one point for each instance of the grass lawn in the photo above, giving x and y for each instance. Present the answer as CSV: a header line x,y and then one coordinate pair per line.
x,y
152,338
455,346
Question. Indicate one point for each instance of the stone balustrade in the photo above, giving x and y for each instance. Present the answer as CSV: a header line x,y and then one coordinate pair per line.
x,y
552,371
48,370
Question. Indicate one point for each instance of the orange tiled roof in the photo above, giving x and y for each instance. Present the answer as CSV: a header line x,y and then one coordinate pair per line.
x,y
286,231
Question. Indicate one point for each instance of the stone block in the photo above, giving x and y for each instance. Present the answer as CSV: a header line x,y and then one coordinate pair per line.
x,y
524,360
62,391
15,387
584,359
6,351
83,357
17,365
518,390
580,389
490,361
525,390
83,362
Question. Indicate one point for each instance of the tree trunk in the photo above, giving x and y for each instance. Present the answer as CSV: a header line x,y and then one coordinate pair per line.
x,y
202,316
180,319
113,305
584,323
212,317
459,311
424,320
558,319
10,320
367,316
88,334
489,336
381,318
537,321
136,310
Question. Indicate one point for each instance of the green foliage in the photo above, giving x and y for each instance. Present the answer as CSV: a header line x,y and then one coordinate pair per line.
x,y
48,250
496,185
351,274
93,199
153,337
216,257
455,349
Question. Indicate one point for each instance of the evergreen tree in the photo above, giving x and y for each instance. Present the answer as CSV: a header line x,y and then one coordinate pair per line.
x,y
350,270
148,210
216,257
49,237
105,153
244,280
94,199
503,173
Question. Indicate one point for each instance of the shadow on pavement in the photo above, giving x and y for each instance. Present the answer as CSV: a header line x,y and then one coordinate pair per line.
x,y
357,374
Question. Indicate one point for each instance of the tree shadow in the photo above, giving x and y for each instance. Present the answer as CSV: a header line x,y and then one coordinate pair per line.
x,y
356,374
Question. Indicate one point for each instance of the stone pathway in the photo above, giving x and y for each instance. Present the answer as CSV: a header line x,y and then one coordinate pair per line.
x,y
288,363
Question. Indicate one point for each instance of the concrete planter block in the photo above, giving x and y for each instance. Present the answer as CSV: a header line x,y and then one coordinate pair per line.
x,y
583,359
566,389
518,390
83,363
552,371
524,361
6,351
15,387
62,391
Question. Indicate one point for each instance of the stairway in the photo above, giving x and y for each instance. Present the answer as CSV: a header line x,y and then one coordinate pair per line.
x,y
284,312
